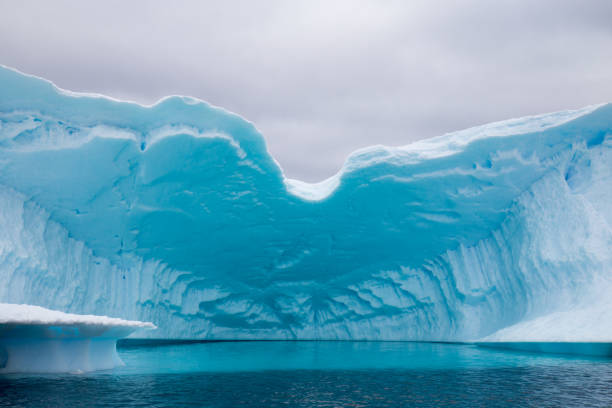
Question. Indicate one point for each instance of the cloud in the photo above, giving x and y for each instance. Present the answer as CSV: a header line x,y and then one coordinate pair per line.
x,y
320,79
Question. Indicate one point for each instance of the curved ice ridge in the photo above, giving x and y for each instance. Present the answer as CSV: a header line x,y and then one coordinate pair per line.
x,y
38,340
177,214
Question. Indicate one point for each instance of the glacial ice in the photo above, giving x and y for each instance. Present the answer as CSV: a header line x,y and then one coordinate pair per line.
x,y
38,340
176,213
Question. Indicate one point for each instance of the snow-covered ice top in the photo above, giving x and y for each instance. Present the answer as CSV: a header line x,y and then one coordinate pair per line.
x,y
35,315
176,213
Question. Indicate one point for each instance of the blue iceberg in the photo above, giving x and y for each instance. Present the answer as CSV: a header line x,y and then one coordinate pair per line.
x,y
177,214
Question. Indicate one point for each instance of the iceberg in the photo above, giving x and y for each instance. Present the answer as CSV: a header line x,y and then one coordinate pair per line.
x,y
176,213
38,340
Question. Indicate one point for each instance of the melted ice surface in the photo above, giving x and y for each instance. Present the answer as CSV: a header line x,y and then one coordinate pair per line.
x,y
176,213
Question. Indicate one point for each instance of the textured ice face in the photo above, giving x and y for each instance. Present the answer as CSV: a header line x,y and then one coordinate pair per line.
x,y
177,214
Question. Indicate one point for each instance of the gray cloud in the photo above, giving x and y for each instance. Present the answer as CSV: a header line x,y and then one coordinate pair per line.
x,y
320,79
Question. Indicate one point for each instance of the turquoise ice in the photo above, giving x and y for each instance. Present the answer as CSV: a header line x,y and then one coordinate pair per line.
x,y
177,214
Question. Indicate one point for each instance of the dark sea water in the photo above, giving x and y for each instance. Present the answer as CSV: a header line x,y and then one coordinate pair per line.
x,y
322,374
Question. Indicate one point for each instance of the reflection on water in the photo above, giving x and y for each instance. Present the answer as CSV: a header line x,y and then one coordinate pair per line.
x,y
322,374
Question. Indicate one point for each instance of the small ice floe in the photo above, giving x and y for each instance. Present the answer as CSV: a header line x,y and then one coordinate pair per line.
x,y
38,340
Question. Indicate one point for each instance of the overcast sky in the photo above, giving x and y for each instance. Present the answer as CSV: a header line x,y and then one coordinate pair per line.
x,y
321,79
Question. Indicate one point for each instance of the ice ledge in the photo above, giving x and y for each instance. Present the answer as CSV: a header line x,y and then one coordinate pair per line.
x,y
582,331
38,340
579,324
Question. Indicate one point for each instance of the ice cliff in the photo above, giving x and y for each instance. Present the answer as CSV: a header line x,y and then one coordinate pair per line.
x,y
176,213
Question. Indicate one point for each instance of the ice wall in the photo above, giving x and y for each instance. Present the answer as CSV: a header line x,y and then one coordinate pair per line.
x,y
177,214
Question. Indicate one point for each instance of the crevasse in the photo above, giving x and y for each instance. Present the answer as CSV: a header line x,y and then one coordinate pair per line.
x,y
176,214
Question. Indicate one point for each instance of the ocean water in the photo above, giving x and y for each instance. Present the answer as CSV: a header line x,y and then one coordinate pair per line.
x,y
322,374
